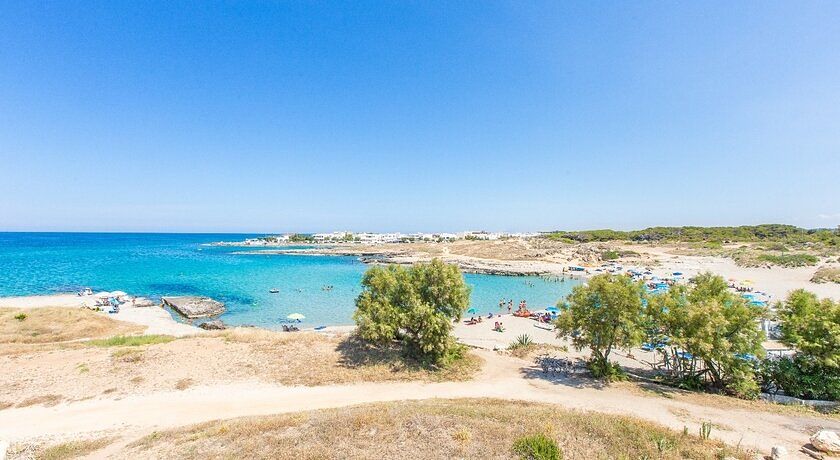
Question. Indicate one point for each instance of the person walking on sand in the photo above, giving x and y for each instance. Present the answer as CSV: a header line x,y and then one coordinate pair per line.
x,y
510,306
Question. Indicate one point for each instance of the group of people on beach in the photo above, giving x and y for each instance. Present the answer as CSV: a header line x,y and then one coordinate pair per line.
x,y
523,307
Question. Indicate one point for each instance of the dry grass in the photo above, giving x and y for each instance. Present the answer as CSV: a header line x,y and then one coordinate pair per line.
x,y
44,400
318,359
45,325
128,355
183,384
72,449
434,429
827,275
722,401
77,371
510,249
131,340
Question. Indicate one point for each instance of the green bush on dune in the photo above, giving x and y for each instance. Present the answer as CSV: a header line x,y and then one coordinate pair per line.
x,y
537,447
789,260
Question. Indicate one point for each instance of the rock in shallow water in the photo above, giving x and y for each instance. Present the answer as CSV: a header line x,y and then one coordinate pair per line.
x,y
195,307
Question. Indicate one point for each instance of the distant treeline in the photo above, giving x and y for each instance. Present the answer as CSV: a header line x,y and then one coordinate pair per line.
x,y
766,232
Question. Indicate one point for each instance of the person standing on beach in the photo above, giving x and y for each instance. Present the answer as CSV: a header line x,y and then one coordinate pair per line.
x,y
510,306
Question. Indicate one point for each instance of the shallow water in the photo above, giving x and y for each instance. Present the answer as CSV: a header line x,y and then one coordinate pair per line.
x,y
154,265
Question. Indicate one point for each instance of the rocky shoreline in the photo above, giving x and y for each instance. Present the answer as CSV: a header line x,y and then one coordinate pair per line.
x,y
466,264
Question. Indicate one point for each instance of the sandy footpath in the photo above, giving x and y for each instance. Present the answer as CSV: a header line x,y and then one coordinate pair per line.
x,y
503,377
156,319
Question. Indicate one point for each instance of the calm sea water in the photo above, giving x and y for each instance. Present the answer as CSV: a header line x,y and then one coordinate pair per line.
x,y
156,265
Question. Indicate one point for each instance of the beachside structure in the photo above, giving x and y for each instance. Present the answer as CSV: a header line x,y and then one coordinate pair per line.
x,y
384,238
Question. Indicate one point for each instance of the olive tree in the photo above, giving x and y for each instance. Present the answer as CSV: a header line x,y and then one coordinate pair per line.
x,y
415,306
604,314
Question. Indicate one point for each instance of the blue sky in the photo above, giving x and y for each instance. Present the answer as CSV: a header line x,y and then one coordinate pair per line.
x,y
417,116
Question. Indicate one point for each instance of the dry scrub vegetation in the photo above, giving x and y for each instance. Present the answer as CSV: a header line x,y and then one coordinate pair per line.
x,y
434,429
827,275
45,374
319,359
46,325
71,449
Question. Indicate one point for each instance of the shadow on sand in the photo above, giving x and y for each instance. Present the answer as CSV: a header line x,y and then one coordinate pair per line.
x,y
579,379
356,353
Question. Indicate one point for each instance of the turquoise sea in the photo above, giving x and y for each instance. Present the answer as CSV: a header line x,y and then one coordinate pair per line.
x,y
155,265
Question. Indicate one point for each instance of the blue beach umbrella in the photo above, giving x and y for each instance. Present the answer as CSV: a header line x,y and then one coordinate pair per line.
x,y
472,311
552,309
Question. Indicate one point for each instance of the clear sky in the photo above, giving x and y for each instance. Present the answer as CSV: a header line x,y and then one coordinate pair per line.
x,y
417,116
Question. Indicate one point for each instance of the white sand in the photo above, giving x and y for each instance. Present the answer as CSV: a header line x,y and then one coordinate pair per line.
x,y
776,281
482,335
156,319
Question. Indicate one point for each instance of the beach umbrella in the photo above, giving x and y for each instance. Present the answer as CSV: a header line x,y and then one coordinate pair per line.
x,y
552,309
472,311
296,316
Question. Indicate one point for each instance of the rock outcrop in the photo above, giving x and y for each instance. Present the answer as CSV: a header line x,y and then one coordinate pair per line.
x,y
195,307
214,325
826,441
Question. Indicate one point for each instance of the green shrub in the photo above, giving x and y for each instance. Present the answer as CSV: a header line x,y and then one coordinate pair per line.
x,y
605,370
800,377
776,247
522,341
20,316
132,340
537,447
610,255
789,260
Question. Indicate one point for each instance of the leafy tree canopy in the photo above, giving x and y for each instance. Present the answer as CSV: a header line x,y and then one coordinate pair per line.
x,y
744,233
812,326
602,315
415,306
715,327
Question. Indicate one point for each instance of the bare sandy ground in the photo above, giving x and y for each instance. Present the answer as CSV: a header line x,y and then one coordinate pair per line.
x,y
503,377
776,281
156,319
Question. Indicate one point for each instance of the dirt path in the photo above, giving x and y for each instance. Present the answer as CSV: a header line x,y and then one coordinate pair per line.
x,y
502,377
